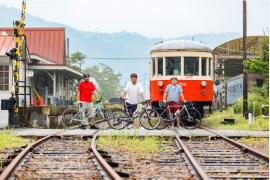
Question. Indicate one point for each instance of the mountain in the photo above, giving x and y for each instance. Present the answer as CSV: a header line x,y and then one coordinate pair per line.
x,y
120,44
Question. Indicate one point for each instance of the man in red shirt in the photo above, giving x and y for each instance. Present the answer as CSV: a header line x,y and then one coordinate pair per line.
x,y
85,91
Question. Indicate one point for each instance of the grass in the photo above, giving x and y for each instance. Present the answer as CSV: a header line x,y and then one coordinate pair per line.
x,y
8,140
140,145
262,144
215,119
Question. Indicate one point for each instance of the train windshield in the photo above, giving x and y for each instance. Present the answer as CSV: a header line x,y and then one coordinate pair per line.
x,y
173,66
191,66
204,66
160,66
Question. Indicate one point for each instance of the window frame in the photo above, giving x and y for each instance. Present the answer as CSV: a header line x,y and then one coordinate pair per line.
x,y
4,84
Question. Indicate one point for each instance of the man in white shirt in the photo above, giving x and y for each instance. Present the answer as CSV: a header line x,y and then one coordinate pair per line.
x,y
133,93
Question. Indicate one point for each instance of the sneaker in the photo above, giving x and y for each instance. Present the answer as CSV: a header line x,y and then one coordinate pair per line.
x,y
93,127
83,126
129,126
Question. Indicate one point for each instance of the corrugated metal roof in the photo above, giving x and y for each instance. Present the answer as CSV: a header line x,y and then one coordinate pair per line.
x,y
48,43
6,44
181,45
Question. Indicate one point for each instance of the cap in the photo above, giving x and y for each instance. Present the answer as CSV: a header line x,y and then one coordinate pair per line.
x,y
85,75
133,75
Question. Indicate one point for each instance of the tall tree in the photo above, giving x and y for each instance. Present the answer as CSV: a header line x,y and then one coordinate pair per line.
x,y
108,81
78,58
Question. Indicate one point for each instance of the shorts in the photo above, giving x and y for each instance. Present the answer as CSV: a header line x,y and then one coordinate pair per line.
x,y
173,106
131,108
84,106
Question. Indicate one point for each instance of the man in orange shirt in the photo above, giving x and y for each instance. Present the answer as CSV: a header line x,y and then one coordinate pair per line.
x,y
86,89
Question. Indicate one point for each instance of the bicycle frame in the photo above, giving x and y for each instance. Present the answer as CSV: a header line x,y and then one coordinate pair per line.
x,y
136,113
184,107
94,109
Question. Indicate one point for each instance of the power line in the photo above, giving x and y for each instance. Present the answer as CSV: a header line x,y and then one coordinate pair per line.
x,y
117,58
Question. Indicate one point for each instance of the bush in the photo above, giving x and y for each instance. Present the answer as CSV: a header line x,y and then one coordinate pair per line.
x,y
259,95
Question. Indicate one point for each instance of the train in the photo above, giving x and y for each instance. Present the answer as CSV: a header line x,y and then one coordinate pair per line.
x,y
191,62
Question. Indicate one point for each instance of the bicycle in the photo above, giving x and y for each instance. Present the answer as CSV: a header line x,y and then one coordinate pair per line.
x,y
74,117
148,118
189,116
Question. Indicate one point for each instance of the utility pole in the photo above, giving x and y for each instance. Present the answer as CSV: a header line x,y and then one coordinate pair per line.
x,y
245,83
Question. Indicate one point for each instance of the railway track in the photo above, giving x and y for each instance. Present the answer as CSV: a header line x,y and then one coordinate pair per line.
x,y
222,158
170,162
55,157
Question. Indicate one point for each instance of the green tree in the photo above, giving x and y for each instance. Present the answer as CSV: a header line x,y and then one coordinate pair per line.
x,y
77,58
261,66
108,81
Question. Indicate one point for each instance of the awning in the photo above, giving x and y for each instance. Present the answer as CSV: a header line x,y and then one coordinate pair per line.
x,y
57,68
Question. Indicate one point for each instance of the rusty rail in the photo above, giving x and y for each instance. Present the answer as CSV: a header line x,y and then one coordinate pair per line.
x,y
200,172
241,146
14,163
109,170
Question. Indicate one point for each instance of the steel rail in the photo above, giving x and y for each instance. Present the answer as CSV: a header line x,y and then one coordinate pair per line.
x,y
14,163
18,159
241,146
109,170
200,172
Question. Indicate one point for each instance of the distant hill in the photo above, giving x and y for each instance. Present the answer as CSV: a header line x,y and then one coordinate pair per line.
x,y
121,44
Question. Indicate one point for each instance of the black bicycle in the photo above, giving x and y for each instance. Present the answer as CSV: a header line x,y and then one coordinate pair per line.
x,y
188,115
148,118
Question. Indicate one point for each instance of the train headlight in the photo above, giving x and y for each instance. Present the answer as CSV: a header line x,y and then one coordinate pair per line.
x,y
203,83
160,83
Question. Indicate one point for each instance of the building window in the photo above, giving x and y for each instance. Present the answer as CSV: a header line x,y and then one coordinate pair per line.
x,y
153,67
191,66
173,66
204,66
160,66
4,78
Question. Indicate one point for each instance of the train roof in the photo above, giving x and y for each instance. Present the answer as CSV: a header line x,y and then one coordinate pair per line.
x,y
181,45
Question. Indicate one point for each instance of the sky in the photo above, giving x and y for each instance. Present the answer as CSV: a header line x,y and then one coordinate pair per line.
x,y
152,18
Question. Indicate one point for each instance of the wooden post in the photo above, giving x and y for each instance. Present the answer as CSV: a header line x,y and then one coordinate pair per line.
x,y
245,83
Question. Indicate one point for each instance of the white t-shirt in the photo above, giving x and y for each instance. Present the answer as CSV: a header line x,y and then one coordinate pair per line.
x,y
133,92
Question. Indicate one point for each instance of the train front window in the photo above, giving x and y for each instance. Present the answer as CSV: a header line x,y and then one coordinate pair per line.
x,y
153,67
204,66
191,66
160,67
209,67
173,66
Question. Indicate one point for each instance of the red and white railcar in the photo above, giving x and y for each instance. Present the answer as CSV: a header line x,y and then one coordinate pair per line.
x,y
191,62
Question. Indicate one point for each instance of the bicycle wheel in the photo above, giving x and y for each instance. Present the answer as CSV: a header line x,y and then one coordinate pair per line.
x,y
164,122
71,118
99,121
149,119
118,119
192,121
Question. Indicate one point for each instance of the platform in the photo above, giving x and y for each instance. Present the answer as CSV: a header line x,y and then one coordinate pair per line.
x,y
139,132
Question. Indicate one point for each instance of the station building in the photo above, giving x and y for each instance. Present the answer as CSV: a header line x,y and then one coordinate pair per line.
x,y
50,79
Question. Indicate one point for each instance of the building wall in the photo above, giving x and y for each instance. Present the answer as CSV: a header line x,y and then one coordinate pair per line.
x,y
5,94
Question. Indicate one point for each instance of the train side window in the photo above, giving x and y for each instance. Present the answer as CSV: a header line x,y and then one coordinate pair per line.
x,y
160,67
204,66
153,66
173,66
191,66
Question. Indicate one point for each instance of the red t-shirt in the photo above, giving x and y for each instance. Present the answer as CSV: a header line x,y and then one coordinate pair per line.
x,y
86,90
